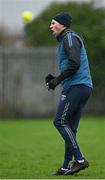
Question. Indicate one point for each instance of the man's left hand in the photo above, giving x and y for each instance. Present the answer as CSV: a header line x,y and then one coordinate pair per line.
x,y
52,84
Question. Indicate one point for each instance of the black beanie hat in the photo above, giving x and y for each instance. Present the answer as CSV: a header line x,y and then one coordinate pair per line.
x,y
63,18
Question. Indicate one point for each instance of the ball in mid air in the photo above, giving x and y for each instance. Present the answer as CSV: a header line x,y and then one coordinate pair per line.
x,y
27,16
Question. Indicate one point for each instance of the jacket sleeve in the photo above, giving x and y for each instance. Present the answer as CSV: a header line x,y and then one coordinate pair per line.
x,y
72,49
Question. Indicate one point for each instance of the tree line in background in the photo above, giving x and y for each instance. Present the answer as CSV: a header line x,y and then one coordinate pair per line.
x,y
88,21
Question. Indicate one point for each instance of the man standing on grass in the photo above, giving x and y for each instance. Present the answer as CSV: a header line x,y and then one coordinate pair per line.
x,y
77,85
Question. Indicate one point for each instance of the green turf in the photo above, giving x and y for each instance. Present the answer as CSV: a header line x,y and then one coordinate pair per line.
x,y
34,149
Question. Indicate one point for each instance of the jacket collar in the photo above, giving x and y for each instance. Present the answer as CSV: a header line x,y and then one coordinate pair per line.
x,y
63,33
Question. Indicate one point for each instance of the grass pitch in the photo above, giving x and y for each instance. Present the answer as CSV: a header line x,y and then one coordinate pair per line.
x,y
33,149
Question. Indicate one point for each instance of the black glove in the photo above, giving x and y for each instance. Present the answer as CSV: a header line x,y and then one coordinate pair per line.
x,y
52,81
52,84
48,78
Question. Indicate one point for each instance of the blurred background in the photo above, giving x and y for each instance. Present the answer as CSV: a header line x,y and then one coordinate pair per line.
x,y
28,54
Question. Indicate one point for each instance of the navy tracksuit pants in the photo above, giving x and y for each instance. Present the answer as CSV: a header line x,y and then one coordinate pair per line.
x,y
67,119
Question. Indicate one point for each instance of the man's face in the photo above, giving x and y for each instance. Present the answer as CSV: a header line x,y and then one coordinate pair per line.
x,y
56,28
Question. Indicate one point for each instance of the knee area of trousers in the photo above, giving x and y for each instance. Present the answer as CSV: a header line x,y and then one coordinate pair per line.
x,y
56,124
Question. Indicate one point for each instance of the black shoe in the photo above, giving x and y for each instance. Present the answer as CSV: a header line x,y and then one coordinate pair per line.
x,y
60,171
76,167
